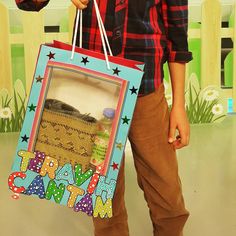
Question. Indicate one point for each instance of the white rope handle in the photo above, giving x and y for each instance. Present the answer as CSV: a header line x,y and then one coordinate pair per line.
x,y
102,29
104,38
78,18
102,35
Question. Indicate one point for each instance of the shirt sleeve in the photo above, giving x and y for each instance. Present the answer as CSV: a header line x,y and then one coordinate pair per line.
x,y
175,17
31,5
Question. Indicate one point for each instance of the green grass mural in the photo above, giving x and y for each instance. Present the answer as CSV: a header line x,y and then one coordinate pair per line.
x,y
12,108
203,106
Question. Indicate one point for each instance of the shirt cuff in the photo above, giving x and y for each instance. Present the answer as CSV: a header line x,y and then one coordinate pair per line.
x,y
180,56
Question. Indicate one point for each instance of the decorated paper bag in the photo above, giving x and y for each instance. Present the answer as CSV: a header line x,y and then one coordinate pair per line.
x,y
75,129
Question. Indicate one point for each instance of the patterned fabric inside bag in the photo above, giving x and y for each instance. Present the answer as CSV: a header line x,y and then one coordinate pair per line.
x,y
65,134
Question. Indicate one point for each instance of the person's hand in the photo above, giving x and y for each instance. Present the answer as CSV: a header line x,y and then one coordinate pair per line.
x,y
179,121
80,4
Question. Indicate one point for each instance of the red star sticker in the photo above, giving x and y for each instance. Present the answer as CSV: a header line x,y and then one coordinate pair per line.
x,y
115,166
51,55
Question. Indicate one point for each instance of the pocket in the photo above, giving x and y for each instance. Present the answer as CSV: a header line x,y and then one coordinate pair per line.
x,y
147,106
151,118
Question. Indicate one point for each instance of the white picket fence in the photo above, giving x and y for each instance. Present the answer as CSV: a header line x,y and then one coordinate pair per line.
x,y
33,35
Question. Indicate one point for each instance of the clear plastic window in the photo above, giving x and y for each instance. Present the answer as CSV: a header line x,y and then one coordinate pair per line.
x,y
79,117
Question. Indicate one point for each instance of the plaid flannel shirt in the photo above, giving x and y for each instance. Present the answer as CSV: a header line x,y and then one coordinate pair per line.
x,y
150,31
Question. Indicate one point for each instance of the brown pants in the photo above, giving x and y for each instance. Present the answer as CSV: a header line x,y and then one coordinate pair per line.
x,y
157,173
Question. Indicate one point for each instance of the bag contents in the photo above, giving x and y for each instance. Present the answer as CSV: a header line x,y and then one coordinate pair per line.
x,y
65,134
102,137
61,107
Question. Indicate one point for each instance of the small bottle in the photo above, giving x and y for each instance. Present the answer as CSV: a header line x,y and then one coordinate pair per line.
x,y
102,137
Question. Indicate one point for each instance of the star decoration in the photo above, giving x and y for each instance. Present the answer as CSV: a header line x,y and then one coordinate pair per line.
x,y
85,60
125,120
24,138
115,166
119,145
39,79
133,90
51,55
116,71
32,107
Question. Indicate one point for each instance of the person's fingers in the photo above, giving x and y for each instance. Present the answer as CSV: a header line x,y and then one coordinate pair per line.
x,y
85,2
177,144
171,136
181,141
80,4
183,137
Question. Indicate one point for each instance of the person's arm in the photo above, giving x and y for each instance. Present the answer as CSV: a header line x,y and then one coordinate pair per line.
x,y
175,18
178,115
31,5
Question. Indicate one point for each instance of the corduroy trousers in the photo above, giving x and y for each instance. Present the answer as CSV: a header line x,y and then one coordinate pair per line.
x,y
157,173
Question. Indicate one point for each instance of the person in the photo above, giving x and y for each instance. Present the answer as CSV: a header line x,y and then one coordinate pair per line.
x,y
154,32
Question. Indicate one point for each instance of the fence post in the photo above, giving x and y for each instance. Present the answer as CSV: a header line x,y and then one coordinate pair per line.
x,y
5,50
234,59
33,37
211,43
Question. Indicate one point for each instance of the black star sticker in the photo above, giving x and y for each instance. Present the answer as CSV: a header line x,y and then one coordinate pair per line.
x,y
116,71
39,79
133,90
51,55
32,107
125,120
85,60
24,138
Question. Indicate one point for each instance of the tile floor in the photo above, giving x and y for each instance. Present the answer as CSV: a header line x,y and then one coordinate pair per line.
x,y
207,168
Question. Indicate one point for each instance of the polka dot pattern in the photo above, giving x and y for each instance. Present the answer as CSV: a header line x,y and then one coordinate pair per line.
x,y
80,177
85,205
93,183
11,180
107,187
104,210
75,192
26,156
49,167
99,168
66,173
56,192
36,163
36,187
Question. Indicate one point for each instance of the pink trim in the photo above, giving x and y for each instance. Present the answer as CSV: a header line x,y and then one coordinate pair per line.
x,y
42,95
99,74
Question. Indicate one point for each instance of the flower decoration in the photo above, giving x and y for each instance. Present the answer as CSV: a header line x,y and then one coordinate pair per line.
x,y
5,113
217,109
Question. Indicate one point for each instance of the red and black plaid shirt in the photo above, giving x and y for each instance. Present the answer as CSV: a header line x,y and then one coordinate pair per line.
x,y
150,31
